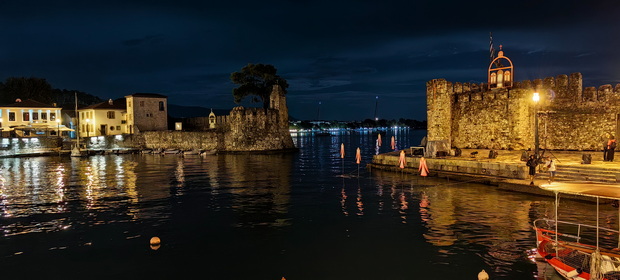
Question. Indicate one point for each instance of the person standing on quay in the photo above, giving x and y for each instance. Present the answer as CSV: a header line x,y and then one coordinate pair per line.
x,y
611,147
551,168
531,163
605,149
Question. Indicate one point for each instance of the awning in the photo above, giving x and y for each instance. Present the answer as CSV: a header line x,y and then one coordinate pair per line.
x,y
42,127
602,190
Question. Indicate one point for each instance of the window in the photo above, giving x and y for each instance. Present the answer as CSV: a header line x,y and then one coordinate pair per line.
x,y
35,116
493,78
44,116
141,103
161,105
111,128
52,116
11,116
129,103
26,116
118,127
111,115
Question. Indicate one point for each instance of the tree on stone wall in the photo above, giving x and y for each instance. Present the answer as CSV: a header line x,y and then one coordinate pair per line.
x,y
256,80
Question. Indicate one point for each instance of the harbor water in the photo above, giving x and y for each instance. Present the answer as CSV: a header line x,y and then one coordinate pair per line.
x,y
304,215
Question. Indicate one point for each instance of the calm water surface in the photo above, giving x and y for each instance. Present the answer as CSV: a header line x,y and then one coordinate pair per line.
x,y
262,217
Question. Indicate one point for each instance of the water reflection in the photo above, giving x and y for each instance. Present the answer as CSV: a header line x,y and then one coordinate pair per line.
x,y
260,185
296,212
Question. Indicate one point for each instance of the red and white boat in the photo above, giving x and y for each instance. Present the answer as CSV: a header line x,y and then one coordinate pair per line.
x,y
580,251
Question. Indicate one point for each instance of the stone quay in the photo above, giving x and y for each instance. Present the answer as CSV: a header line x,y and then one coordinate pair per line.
x,y
506,171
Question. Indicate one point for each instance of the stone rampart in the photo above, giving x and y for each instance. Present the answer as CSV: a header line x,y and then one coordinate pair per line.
x,y
570,117
243,130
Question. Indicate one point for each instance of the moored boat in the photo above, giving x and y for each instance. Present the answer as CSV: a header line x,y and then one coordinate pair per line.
x,y
576,250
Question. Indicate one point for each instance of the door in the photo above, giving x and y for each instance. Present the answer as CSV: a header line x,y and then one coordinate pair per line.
x,y
104,129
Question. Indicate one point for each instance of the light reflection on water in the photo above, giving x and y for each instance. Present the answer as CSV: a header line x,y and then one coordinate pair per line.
x,y
304,216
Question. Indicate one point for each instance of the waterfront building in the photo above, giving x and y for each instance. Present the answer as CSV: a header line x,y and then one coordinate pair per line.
x,y
30,118
146,112
105,118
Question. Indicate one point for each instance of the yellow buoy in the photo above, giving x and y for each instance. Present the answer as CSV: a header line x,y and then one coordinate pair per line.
x,y
483,275
155,242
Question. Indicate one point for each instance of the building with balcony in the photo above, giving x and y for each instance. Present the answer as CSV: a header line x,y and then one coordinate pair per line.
x,y
30,118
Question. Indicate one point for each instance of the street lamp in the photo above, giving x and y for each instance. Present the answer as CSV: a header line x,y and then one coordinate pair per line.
x,y
58,123
536,98
87,127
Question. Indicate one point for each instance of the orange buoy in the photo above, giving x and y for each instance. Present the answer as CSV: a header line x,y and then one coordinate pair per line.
x,y
155,242
423,168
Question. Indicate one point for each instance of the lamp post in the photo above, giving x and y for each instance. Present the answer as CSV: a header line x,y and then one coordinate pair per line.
x,y
58,131
536,98
87,128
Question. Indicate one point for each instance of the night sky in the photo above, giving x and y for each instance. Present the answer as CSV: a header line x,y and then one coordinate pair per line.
x,y
340,53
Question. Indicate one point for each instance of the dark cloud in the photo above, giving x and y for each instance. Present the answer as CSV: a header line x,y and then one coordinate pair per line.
x,y
341,53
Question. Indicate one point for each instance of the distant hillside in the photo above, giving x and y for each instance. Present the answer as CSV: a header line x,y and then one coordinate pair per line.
x,y
39,89
178,111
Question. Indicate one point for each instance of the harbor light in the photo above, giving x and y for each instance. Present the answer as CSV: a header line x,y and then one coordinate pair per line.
x,y
58,123
536,98
87,127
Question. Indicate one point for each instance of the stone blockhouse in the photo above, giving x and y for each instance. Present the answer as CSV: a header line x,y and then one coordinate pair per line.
x,y
570,117
146,112
243,130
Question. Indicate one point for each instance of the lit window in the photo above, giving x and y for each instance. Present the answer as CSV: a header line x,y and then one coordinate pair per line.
x,y
26,117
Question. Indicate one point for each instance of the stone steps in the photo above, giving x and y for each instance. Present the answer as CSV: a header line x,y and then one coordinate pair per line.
x,y
583,173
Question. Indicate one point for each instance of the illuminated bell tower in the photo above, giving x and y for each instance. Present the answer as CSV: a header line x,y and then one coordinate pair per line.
x,y
501,76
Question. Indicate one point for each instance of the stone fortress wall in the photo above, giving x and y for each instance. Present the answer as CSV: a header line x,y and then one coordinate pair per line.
x,y
571,117
243,130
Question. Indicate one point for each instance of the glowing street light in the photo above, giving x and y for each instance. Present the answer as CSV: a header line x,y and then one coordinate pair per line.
x,y
58,123
536,98
87,127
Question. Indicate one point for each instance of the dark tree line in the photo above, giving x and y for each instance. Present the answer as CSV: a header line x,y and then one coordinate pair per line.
x,y
39,89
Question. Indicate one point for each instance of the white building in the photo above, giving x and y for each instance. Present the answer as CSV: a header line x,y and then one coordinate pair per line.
x,y
30,118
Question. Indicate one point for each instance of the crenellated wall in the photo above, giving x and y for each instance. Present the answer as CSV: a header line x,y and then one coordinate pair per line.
x,y
243,130
570,117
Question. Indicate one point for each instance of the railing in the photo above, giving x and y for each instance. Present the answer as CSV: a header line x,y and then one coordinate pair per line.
x,y
572,244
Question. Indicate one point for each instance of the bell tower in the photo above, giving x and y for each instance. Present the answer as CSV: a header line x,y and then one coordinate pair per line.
x,y
501,71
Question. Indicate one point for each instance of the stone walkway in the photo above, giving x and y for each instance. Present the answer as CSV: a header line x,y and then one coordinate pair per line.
x,y
569,168
564,158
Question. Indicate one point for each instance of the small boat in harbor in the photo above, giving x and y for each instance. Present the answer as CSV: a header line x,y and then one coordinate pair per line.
x,y
575,250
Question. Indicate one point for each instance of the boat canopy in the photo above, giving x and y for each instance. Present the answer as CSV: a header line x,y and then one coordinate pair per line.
x,y
600,190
